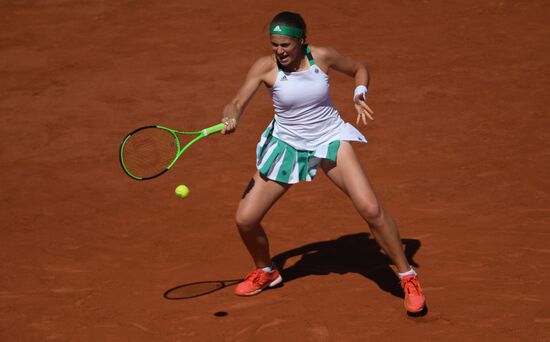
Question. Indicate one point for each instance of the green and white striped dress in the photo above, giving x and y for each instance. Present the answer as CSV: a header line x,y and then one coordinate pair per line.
x,y
306,128
281,162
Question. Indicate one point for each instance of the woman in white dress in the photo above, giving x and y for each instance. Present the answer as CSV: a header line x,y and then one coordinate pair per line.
x,y
307,132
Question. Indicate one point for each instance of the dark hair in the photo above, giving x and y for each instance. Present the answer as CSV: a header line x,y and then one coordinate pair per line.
x,y
290,19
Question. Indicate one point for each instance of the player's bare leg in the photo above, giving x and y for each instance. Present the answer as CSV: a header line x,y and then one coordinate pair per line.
x,y
259,197
349,176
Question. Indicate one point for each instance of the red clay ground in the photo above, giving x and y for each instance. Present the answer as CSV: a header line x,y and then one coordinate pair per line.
x,y
458,154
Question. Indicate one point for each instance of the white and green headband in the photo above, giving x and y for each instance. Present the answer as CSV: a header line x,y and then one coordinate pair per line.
x,y
287,31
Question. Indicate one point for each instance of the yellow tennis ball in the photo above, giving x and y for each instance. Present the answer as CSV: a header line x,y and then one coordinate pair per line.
x,y
182,191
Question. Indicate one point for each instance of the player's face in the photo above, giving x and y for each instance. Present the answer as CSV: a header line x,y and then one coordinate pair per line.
x,y
286,49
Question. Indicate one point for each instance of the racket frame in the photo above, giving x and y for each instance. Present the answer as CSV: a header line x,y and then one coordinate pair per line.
x,y
199,135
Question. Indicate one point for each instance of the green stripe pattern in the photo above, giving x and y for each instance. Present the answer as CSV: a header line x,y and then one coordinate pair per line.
x,y
281,162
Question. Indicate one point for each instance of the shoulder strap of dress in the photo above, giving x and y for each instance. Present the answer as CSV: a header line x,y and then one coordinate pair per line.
x,y
309,55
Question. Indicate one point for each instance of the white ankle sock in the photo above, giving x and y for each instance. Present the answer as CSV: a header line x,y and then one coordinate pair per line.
x,y
269,268
409,272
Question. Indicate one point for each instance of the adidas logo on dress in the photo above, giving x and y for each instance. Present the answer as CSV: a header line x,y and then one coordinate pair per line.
x,y
277,29
284,78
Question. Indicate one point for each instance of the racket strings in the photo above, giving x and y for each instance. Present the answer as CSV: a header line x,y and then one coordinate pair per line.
x,y
149,152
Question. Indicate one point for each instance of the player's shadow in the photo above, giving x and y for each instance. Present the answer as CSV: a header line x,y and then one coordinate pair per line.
x,y
356,253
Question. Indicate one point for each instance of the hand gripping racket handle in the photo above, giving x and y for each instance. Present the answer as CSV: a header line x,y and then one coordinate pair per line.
x,y
213,129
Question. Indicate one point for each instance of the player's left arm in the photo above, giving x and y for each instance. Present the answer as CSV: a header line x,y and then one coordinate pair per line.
x,y
332,59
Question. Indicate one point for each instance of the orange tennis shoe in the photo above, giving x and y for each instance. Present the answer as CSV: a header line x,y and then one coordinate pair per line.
x,y
257,281
414,299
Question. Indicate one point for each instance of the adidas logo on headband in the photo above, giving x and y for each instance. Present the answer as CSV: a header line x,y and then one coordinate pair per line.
x,y
287,31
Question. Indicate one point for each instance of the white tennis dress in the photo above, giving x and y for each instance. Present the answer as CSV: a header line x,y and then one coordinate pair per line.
x,y
306,128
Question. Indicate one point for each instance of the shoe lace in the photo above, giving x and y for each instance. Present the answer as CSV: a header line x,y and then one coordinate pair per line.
x,y
412,286
257,277
254,276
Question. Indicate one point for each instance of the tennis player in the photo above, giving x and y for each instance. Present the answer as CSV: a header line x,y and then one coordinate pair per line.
x,y
306,133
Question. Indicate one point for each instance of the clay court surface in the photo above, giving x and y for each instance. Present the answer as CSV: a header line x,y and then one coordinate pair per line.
x,y
458,154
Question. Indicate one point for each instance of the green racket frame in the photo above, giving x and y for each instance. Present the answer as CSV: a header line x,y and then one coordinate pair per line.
x,y
199,135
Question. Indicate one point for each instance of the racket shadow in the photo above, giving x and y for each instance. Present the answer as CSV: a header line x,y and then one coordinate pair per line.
x,y
355,253
198,289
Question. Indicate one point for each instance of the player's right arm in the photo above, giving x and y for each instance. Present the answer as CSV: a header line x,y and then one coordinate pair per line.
x,y
259,73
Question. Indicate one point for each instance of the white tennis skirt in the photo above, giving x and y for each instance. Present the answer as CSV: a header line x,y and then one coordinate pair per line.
x,y
282,163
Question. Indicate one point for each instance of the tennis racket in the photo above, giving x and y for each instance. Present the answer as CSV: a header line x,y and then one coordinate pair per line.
x,y
199,288
150,151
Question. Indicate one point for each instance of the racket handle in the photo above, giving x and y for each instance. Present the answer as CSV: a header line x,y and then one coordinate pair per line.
x,y
214,129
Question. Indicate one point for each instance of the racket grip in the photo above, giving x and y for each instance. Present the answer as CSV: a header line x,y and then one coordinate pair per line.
x,y
213,129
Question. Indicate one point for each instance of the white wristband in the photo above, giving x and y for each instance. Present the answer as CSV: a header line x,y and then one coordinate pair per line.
x,y
360,90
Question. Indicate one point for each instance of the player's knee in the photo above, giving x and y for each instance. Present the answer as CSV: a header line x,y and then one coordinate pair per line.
x,y
370,211
245,221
